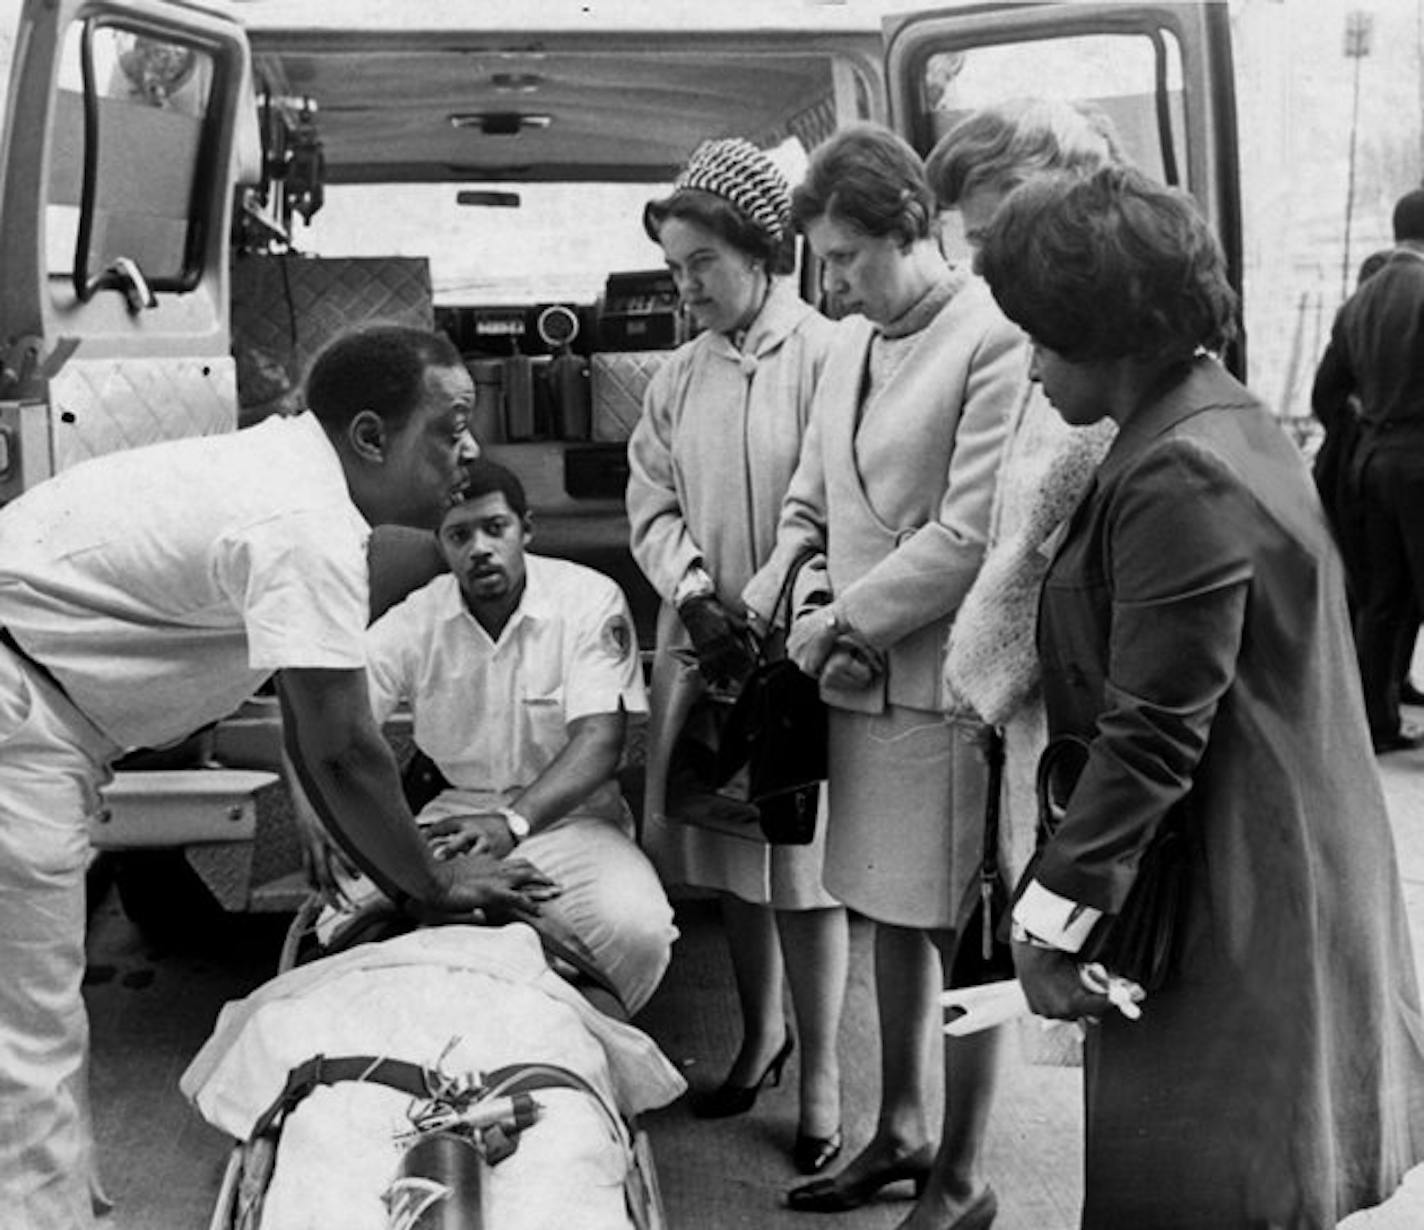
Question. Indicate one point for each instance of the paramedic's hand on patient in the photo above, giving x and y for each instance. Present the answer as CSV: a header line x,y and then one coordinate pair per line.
x,y
484,833
495,885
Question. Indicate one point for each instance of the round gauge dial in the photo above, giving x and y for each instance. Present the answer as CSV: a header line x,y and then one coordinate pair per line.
x,y
557,325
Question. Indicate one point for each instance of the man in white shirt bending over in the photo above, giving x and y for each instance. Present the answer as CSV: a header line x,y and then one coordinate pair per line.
x,y
146,594
521,673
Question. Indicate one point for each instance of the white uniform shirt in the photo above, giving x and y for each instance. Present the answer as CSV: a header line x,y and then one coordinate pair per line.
x,y
494,714
162,585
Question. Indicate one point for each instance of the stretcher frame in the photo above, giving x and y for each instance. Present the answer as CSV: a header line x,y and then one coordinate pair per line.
x,y
249,1158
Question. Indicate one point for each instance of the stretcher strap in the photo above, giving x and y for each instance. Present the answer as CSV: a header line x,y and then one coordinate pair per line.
x,y
409,1078
422,1082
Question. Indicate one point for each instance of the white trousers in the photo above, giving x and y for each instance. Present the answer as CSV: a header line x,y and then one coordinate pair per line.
x,y
52,763
612,898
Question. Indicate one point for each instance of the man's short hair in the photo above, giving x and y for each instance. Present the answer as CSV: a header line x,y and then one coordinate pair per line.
x,y
380,368
1409,216
484,477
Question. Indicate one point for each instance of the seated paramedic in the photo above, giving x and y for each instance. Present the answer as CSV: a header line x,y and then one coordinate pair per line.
x,y
147,593
520,672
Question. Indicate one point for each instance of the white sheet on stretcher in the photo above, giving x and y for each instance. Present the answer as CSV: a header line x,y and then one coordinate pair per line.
x,y
407,998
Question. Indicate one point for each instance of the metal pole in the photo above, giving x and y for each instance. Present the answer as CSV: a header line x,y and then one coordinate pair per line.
x,y
1350,189
1359,28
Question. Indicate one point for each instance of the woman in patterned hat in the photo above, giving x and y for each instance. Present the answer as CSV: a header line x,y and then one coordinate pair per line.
x,y
710,459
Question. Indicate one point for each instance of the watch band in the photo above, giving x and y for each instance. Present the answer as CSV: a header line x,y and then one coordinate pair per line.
x,y
519,826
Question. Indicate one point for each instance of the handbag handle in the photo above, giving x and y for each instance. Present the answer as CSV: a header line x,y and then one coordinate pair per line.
x,y
782,605
1059,768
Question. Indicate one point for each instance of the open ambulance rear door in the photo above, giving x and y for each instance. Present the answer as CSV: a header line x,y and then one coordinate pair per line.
x,y
1161,72
117,164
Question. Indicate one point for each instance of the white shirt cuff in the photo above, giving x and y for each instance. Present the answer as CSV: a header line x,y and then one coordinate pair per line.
x,y
1055,920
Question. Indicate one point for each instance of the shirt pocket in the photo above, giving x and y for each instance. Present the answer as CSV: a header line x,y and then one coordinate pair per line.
x,y
542,711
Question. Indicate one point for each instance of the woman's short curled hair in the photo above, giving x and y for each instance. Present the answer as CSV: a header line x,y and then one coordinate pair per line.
x,y
869,177
1002,145
727,222
1107,266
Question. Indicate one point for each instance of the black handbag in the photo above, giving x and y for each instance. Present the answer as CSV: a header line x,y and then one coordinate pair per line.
x,y
1142,940
776,734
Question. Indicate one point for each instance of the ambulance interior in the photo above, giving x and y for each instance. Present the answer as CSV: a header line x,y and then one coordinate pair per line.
x,y
486,179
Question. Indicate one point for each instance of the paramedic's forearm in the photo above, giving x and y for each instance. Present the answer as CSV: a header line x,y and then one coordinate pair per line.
x,y
585,762
355,782
361,784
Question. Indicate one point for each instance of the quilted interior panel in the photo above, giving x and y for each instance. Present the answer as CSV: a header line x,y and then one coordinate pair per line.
x,y
618,379
103,405
286,308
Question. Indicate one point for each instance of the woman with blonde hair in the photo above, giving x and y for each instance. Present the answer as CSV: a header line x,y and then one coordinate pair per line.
x,y
992,665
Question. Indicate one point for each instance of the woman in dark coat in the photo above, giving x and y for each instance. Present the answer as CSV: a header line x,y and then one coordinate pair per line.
x,y
1193,630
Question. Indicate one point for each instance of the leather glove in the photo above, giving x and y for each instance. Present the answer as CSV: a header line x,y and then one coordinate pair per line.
x,y
724,652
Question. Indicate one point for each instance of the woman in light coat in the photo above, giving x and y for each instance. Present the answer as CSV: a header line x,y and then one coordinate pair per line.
x,y
892,498
991,666
710,458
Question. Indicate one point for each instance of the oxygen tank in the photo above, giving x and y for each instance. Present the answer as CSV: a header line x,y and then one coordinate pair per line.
x,y
440,1185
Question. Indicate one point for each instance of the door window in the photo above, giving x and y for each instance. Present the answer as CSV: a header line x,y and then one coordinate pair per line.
x,y
1133,79
133,140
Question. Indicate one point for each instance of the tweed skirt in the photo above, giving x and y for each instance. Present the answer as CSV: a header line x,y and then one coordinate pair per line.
x,y
905,833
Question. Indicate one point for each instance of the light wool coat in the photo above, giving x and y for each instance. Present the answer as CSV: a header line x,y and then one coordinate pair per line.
x,y
717,443
710,459
908,494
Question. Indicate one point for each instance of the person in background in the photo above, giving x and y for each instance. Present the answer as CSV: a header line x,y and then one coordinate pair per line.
x,y
991,663
892,500
1376,353
710,458
147,593
1193,631
1338,411
520,673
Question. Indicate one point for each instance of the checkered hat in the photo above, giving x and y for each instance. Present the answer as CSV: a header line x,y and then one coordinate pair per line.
x,y
737,171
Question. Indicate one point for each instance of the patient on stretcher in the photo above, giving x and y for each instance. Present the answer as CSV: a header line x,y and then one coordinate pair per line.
x,y
461,1001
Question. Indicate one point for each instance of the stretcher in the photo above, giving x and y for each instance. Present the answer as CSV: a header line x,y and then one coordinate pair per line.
x,y
447,1077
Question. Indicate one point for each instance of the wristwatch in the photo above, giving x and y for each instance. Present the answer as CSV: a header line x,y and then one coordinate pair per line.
x,y
518,825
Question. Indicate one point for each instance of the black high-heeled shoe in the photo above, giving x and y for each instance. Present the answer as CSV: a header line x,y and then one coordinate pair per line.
x,y
727,1099
812,1154
837,1195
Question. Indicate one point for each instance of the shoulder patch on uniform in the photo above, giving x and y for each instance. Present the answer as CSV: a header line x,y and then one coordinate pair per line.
x,y
617,637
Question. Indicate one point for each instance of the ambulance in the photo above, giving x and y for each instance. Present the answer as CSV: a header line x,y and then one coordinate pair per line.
x,y
194,198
